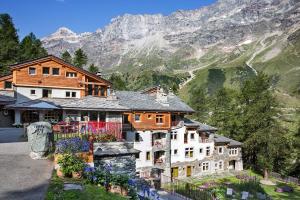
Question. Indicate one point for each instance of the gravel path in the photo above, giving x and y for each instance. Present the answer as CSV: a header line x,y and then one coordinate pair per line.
x,y
20,176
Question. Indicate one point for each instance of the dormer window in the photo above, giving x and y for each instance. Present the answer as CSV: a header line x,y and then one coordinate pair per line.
x,y
46,70
32,71
71,74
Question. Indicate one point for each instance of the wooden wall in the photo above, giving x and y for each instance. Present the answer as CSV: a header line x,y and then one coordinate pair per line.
x,y
149,123
2,81
22,76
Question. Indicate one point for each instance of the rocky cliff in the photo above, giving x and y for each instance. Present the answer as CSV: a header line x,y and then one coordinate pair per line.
x,y
185,34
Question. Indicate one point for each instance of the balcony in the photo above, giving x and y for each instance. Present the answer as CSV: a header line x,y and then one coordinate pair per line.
x,y
159,159
159,144
94,128
159,141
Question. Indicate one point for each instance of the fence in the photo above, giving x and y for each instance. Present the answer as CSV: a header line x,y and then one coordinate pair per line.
x,y
90,128
287,179
185,190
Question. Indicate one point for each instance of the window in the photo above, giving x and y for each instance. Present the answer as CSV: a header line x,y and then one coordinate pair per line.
x,y
73,94
221,165
189,152
233,151
71,74
137,156
32,71
207,151
102,91
137,117
32,92
68,94
8,85
55,71
173,136
148,155
175,151
220,150
46,70
205,166
149,116
47,93
192,136
137,137
159,119
200,150
126,121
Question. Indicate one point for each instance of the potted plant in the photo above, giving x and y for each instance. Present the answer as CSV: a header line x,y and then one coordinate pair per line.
x,y
77,168
71,165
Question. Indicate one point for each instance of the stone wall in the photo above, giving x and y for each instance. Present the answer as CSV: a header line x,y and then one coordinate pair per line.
x,y
121,156
120,164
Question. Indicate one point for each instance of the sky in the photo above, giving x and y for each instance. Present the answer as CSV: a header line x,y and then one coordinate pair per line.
x,y
43,17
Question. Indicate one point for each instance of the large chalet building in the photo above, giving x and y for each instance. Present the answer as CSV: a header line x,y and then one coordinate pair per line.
x,y
49,89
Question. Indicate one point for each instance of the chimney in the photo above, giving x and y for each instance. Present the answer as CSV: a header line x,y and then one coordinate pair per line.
x,y
162,97
99,74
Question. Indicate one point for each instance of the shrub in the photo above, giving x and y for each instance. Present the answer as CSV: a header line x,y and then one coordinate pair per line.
x,y
106,138
70,163
72,145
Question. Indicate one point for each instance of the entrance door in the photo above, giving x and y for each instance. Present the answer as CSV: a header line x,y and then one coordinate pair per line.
x,y
231,165
174,172
188,171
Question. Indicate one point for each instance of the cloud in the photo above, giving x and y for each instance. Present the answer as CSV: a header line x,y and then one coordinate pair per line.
x,y
60,1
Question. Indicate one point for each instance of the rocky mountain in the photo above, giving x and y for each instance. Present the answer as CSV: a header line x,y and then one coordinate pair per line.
x,y
190,34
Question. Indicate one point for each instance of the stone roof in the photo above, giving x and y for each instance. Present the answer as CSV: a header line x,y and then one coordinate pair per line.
x,y
123,101
6,97
140,101
114,148
201,126
223,139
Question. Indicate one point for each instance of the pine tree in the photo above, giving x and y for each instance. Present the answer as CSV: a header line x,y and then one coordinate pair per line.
x,y
261,134
117,82
199,101
9,43
66,56
80,58
93,69
31,47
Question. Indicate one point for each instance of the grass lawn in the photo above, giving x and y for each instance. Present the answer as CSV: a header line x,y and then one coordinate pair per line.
x,y
56,192
239,186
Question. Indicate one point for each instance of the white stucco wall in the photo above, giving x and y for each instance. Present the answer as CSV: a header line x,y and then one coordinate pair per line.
x,y
23,93
143,145
191,143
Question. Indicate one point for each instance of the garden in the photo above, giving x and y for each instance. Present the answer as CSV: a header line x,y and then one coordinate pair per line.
x,y
247,184
76,179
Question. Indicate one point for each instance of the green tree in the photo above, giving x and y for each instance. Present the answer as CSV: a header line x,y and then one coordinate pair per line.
x,y
9,43
117,82
224,112
262,136
66,56
31,47
80,58
93,69
199,102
